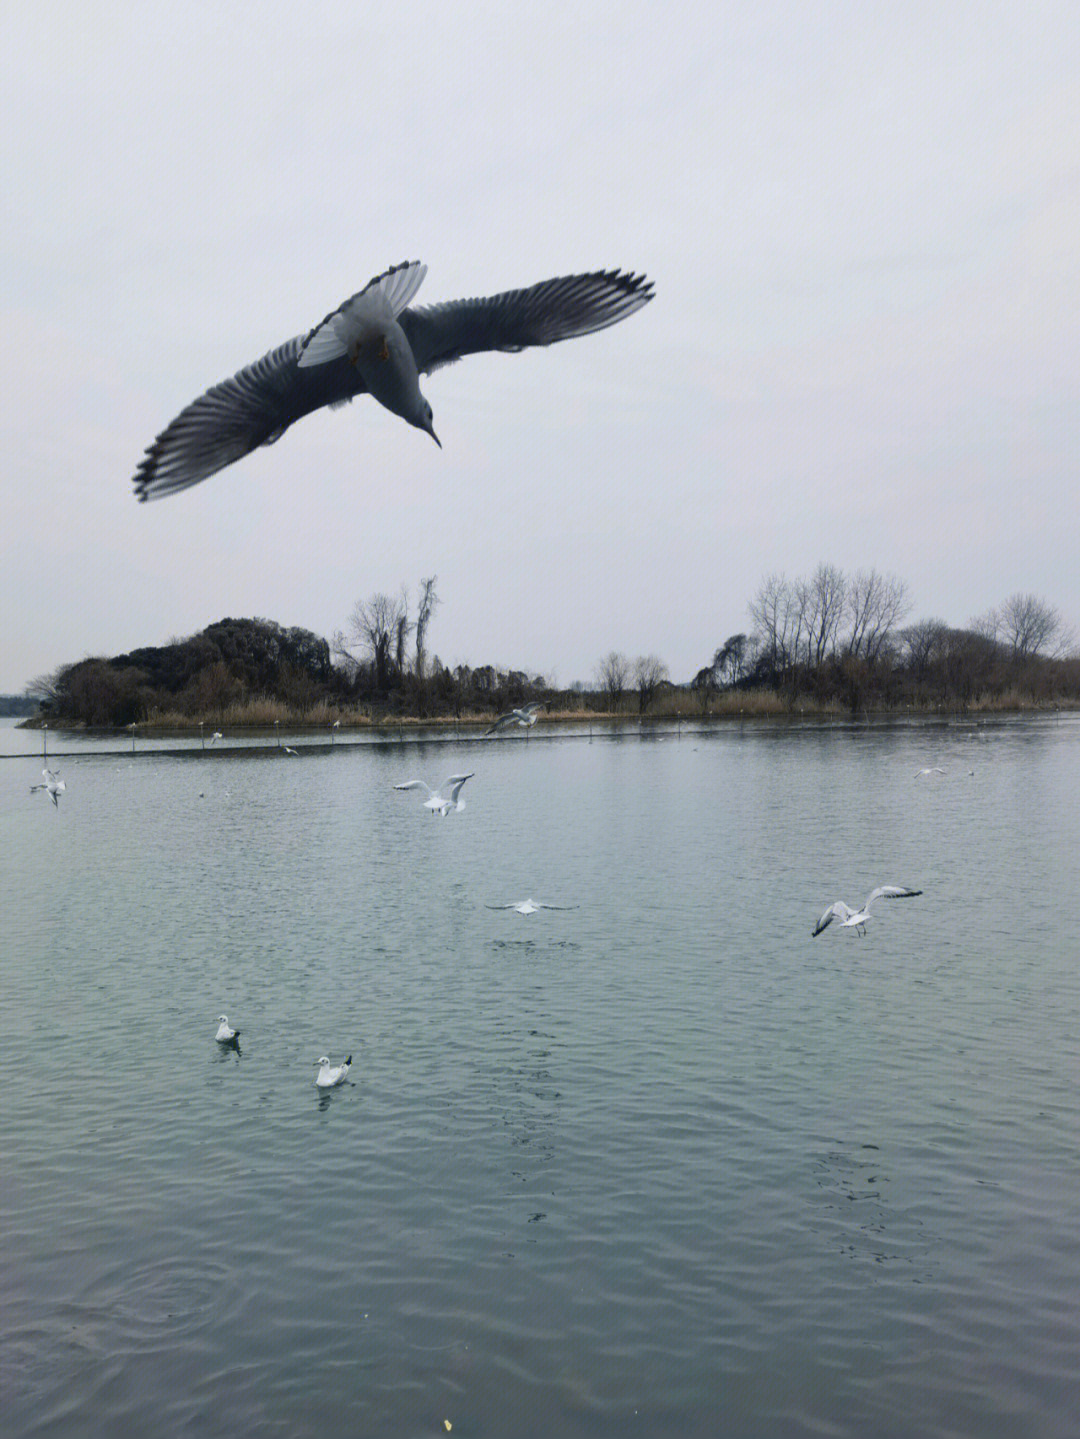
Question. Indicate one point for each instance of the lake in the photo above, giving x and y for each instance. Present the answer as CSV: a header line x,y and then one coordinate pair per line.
x,y
661,1164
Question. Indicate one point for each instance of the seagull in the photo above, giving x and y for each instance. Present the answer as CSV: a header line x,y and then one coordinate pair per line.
x,y
53,783
530,906
215,736
225,1032
435,802
526,717
329,1074
374,343
930,769
856,918
291,751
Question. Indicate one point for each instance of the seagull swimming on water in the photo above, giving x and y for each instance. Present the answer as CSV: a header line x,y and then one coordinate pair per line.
x,y
856,918
375,343
435,801
225,1032
530,906
52,782
330,1075
526,717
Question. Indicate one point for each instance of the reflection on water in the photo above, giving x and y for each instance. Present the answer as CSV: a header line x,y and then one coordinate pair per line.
x,y
671,1166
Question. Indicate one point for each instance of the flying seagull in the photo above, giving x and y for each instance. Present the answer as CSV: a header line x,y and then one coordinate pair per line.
x,y
329,1074
225,1032
52,782
526,717
375,344
435,802
530,906
930,769
856,918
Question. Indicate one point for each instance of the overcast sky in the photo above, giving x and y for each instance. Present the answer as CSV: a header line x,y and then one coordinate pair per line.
x,y
863,222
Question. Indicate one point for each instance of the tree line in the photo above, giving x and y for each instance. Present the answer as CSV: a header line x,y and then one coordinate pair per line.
x,y
830,640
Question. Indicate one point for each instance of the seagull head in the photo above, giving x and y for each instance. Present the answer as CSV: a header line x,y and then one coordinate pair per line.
x,y
423,419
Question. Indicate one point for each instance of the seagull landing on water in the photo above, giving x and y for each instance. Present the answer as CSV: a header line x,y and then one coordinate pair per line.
x,y
435,802
52,782
375,344
330,1075
530,906
856,918
225,1032
526,717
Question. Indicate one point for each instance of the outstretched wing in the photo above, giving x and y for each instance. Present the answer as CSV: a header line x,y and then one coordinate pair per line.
x,y
416,784
233,418
455,782
890,891
839,910
500,723
553,310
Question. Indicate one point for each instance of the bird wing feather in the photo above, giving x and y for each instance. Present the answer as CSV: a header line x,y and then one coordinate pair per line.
x,y
541,314
255,407
839,910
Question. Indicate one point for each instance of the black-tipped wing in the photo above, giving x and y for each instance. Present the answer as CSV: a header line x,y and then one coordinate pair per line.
x,y
254,408
553,310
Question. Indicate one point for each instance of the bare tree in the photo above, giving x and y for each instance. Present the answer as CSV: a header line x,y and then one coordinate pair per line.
x,y
649,674
770,610
1028,625
612,675
729,659
375,625
825,597
924,644
875,604
426,603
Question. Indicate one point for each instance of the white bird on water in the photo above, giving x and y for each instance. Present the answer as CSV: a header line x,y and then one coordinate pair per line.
x,y
330,1075
225,1032
435,801
856,918
526,717
530,906
930,769
377,344
53,783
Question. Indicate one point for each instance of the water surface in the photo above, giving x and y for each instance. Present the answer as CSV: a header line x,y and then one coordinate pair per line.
x,y
662,1164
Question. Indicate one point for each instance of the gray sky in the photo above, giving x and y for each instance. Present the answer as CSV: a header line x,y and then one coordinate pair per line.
x,y
863,222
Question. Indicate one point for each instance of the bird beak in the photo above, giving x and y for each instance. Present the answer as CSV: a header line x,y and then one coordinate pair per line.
x,y
435,437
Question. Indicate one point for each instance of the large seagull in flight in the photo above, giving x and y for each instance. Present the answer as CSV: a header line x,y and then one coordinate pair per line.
x,y
375,344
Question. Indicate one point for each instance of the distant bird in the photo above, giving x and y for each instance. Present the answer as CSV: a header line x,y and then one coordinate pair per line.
x,y
329,1074
856,918
375,344
291,751
51,782
930,769
526,717
435,801
215,736
530,906
225,1032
